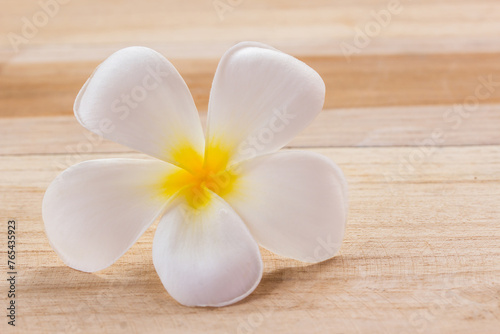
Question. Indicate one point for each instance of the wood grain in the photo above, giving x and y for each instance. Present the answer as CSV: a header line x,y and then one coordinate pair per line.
x,y
41,89
420,255
421,252
383,126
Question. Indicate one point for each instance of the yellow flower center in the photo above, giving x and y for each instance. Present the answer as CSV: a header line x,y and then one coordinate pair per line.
x,y
201,175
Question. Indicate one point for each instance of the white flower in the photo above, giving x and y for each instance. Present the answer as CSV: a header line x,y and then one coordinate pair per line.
x,y
220,195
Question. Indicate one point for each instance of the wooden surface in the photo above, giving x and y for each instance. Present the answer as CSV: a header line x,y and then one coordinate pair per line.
x,y
421,252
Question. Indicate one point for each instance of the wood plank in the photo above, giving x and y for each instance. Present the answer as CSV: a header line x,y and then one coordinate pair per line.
x,y
317,27
384,126
420,255
49,88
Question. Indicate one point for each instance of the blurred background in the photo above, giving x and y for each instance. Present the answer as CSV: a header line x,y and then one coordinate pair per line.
x,y
371,53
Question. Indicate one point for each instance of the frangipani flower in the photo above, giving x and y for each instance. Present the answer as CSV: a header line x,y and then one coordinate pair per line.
x,y
218,196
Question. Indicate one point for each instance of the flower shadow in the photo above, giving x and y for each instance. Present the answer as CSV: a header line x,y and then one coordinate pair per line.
x,y
296,276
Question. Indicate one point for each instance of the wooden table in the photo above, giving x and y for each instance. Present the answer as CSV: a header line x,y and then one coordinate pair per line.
x,y
408,117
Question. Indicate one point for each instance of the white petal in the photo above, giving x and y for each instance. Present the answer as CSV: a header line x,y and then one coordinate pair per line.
x,y
138,99
96,210
260,99
206,257
294,204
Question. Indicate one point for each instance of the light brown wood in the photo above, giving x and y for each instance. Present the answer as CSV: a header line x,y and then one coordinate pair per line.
x,y
421,252
420,58
40,89
420,255
384,126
